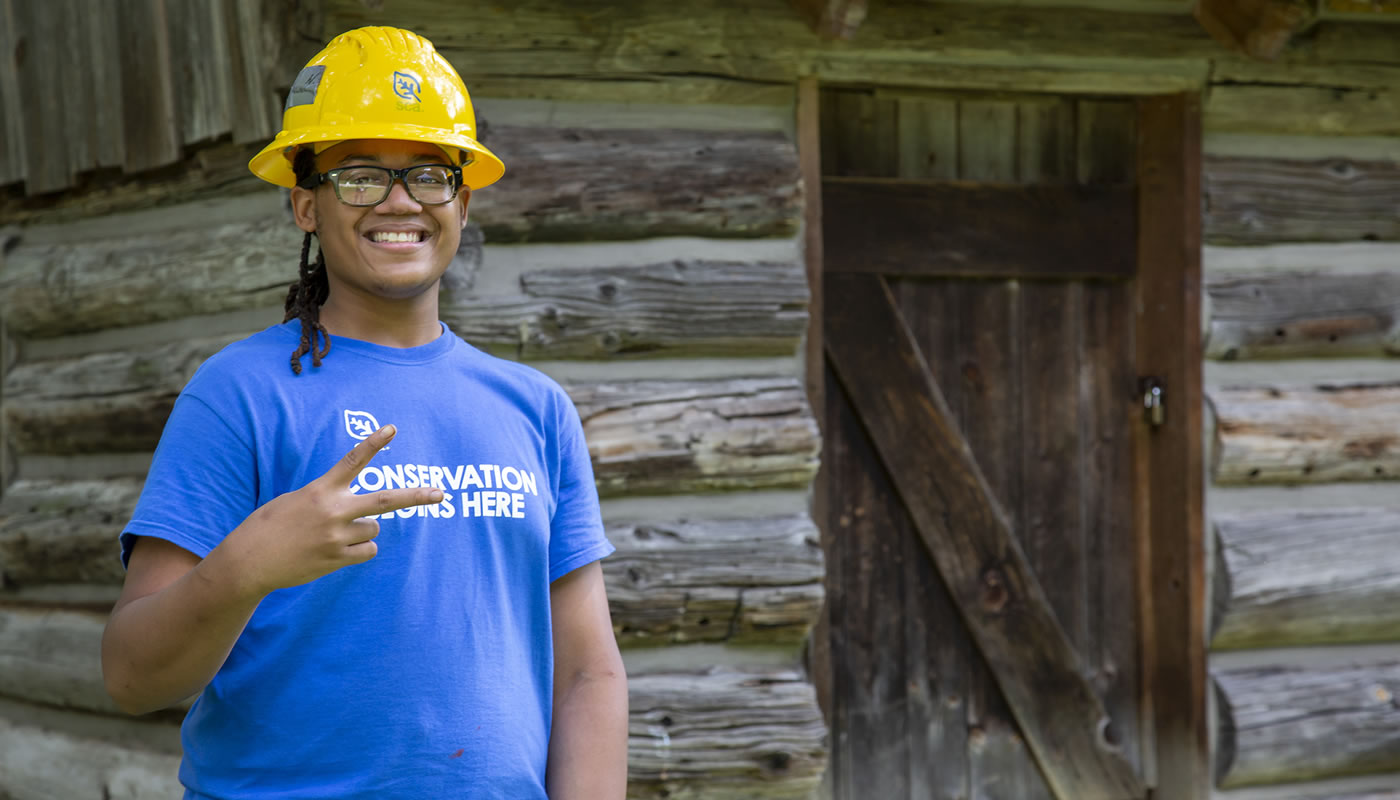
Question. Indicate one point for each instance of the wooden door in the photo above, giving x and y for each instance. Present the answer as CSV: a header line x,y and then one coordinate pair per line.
x,y
994,622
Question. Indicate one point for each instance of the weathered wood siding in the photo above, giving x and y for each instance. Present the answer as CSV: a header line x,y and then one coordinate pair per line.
x,y
113,293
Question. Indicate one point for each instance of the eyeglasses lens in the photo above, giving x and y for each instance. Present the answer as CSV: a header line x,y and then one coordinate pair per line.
x,y
430,184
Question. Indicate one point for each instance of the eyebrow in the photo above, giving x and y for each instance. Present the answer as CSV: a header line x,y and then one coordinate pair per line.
x,y
422,158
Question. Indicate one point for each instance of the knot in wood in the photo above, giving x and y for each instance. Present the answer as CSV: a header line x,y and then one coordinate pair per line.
x,y
994,592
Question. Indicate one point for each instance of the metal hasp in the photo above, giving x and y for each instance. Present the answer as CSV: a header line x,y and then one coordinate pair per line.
x,y
1154,397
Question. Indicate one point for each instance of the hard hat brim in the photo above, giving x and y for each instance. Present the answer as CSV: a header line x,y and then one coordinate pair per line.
x,y
273,164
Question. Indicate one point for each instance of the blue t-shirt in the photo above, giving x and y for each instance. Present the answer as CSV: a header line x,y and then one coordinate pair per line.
x,y
428,670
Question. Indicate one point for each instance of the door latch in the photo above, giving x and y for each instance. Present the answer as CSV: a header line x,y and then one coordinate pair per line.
x,y
1154,397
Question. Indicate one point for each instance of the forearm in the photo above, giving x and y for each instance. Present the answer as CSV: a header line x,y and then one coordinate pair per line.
x,y
588,740
159,649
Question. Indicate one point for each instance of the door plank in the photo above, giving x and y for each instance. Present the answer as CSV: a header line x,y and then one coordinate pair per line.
x,y
873,531
942,666
897,227
969,538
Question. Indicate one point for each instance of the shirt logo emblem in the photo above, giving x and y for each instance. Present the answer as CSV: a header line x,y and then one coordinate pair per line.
x,y
406,85
360,424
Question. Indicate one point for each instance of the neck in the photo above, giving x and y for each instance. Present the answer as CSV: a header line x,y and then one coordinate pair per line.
x,y
405,322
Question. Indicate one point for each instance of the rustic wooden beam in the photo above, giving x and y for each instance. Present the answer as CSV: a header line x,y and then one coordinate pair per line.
x,y
968,537
1377,10
64,531
896,227
679,308
1295,435
569,184
719,734
708,735
1290,724
1298,577
931,45
1258,28
650,437
1170,459
91,769
668,582
676,582
832,19
645,437
1303,315
1266,200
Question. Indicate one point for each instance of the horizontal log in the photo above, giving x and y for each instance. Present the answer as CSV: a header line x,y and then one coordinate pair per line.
x,y
578,183
645,437
745,581
1262,200
1306,577
714,734
1293,435
64,532
741,581
720,734
196,268
655,437
1287,725
1303,315
681,308
53,657
40,764
1345,89
561,184
1002,230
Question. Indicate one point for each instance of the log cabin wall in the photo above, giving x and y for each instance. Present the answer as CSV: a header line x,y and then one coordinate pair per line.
x,y
643,250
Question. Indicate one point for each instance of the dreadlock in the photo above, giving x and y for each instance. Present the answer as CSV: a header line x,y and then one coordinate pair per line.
x,y
304,298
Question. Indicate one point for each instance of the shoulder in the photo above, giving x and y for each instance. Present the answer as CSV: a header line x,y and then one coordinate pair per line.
x,y
256,362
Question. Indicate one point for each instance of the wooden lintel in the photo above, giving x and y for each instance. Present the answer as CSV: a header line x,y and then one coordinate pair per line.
x,y
1258,28
833,19
899,227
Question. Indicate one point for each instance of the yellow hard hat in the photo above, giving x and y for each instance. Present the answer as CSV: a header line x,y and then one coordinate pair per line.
x,y
378,83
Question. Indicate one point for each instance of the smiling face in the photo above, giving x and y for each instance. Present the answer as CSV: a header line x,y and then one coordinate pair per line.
x,y
397,250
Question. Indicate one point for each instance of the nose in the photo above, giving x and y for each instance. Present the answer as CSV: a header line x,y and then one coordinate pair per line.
x,y
399,201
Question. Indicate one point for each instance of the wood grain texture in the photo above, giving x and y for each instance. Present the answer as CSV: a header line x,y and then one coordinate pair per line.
x,y
1299,314
1296,577
579,184
705,735
64,531
1295,435
678,436
12,159
969,538
150,118
53,289
1264,200
741,581
893,228
680,308
91,769
200,69
39,34
1286,725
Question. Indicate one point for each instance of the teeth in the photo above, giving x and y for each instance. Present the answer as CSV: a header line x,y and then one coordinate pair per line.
x,y
393,236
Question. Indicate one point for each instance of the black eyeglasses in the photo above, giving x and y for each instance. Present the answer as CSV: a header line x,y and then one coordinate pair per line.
x,y
429,184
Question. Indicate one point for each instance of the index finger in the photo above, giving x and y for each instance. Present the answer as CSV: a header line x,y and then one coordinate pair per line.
x,y
343,472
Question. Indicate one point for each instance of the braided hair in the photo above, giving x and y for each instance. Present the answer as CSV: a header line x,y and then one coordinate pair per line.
x,y
304,298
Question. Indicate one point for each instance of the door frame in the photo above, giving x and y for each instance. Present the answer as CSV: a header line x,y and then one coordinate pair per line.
x,y
1169,459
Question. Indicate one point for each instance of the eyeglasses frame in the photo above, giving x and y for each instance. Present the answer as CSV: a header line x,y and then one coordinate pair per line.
x,y
395,175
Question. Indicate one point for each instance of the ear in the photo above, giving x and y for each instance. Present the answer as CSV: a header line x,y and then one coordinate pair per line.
x,y
304,208
466,196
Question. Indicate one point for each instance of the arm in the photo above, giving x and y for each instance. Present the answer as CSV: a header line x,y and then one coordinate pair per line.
x,y
178,617
588,740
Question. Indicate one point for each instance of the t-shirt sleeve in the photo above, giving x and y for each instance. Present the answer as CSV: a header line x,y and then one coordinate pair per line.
x,y
201,485
576,530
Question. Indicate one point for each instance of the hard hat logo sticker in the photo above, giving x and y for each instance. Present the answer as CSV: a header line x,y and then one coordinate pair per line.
x,y
406,86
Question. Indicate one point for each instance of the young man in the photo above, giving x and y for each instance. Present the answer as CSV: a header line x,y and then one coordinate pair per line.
x,y
425,619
